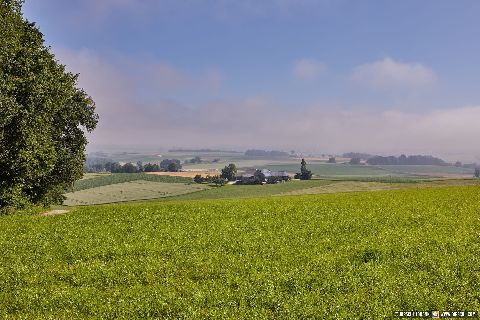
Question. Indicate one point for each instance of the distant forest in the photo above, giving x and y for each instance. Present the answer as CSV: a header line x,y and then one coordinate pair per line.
x,y
203,150
107,165
359,155
406,160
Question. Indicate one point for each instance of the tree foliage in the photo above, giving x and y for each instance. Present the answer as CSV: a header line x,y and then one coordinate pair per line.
x,y
151,167
404,160
354,161
304,173
217,180
229,172
172,165
44,116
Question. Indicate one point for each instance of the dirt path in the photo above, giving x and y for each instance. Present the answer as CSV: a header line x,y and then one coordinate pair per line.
x,y
54,212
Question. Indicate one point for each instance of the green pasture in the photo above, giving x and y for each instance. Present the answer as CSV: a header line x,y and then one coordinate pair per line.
x,y
339,170
334,169
334,256
428,170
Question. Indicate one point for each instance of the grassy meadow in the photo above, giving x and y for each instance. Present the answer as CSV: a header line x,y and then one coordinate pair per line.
x,y
342,255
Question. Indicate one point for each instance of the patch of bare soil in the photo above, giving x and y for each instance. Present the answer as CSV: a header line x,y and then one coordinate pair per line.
x,y
54,212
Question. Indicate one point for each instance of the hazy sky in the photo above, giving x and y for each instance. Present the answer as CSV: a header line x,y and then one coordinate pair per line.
x,y
321,76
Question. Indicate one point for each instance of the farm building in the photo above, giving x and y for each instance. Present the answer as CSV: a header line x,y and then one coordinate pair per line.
x,y
263,176
279,174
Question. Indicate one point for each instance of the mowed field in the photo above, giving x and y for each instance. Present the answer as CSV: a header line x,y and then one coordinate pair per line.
x,y
130,191
343,256
121,187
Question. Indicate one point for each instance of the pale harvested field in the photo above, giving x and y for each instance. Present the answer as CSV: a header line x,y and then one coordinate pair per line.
x,y
359,186
130,191
187,174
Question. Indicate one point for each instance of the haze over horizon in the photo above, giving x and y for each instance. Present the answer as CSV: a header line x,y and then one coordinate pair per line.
x,y
320,76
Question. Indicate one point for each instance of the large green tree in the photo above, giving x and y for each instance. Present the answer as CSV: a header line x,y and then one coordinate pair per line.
x,y
229,172
43,116
304,173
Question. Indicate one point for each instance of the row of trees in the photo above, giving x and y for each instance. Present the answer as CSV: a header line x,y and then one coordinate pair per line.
x,y
170,165
404,160
115,167
219,181
360,155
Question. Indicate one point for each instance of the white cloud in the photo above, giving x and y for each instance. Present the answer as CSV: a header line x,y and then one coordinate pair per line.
x,y
391,74
308,69
128,119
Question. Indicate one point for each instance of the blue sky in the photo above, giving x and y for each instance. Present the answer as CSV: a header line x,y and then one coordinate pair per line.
x,y
373,76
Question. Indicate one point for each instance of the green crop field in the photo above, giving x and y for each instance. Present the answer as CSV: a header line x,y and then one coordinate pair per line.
x,y
351,171
428,170
345,256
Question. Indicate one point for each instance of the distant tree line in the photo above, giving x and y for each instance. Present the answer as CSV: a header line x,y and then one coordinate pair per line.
x,y
106,165
95,164
360,155
203,150
198,160
265,154
171,165
404,160
470,165
195,160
